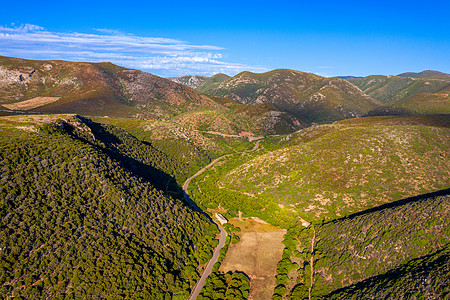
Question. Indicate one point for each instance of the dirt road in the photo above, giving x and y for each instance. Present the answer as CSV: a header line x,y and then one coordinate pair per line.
x,y
223,235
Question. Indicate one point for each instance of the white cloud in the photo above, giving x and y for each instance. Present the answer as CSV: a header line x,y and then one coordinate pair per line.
x,y
161,56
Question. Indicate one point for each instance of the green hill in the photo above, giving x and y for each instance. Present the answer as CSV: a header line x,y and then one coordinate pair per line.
x,y
425,278
418,104
393,89
329,171
389,246
425,74
428,103
85,214
305,95
212,82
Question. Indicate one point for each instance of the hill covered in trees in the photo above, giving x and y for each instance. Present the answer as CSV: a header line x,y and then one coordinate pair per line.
x,y
398,250
81,219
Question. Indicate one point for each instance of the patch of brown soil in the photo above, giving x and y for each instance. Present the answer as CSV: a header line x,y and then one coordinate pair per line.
x,y
31,103
257,255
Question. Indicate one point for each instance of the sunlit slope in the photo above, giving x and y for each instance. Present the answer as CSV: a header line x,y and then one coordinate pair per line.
x,y
345,169
394,89
96,89
304,95
428,103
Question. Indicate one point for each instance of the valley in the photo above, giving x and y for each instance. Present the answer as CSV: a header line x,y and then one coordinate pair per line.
x,y
332,188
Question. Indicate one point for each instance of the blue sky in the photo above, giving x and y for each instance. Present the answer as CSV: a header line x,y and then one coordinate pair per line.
x,y
175,38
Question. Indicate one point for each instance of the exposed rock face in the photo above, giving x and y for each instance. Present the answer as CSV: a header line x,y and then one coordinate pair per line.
x,y
192,81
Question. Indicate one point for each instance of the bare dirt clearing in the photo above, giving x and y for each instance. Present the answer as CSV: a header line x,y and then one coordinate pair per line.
x,y
31,103
257,255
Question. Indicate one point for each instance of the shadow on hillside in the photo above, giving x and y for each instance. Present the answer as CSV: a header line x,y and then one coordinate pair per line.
x,y
108,143
398,203
196,208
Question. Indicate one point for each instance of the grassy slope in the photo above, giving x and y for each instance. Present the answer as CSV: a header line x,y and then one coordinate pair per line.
x,y
428,103
212,82
394,89
305,95
330,171
75,208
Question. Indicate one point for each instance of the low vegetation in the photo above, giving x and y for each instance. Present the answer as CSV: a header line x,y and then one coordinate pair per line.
x,y
329,171
394,89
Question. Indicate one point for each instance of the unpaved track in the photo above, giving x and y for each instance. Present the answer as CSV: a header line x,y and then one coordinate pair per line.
x,y
223,235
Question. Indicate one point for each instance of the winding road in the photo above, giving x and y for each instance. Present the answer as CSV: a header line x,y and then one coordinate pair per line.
x,y
223,235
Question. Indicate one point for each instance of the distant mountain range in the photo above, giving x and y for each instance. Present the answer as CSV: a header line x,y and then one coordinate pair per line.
x,y
394,89
312,98
104,89
309,97
279,101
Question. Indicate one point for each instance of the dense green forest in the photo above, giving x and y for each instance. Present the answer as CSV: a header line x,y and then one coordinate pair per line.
x,y
87,213
390,245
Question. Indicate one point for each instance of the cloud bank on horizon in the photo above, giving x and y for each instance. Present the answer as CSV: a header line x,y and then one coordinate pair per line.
x,y
161,56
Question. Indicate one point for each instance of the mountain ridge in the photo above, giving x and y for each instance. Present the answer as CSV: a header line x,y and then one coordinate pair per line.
x,y
304,95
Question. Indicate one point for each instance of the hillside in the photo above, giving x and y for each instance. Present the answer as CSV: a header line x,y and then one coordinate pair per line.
x,y
95,89
394,89
329,171
425,74
104,89
305,95
425,277
80,218
199,82
192,81
389,245
428,103
212,82
185,150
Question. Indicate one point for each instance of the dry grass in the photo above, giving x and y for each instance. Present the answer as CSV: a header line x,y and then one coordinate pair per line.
x,y
257,255
31,103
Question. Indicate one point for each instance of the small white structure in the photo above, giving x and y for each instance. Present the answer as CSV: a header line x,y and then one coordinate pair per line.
x,y
222,220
